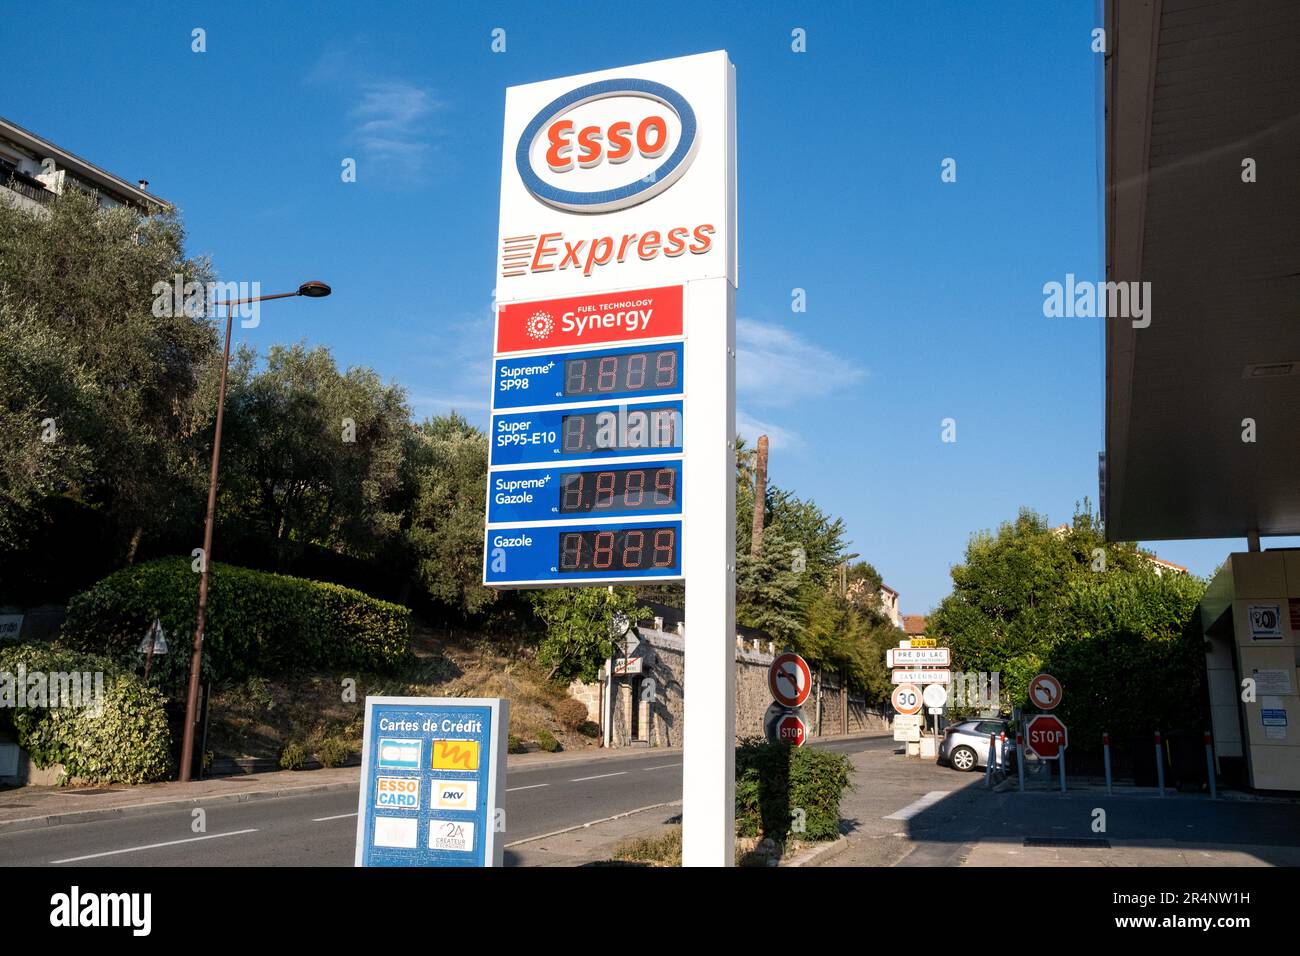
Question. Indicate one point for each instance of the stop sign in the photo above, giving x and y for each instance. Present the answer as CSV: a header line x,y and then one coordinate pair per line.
x,y
1046,736
791,730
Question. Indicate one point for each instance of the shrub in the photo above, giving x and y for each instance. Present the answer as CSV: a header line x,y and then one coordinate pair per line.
x,y
571,713
122,737
776,781
589,728
546,740
515,746
334,752
292,757
257,623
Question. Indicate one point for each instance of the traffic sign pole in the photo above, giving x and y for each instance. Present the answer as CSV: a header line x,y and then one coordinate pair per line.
x,y
709,561
1105,753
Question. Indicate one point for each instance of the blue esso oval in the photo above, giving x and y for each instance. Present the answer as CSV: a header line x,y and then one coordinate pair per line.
x,y
614,158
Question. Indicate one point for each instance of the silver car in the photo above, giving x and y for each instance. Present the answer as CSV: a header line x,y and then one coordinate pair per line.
x,y
965,744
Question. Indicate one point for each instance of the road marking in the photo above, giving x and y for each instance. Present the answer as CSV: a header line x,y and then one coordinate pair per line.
x,y
915,807
592,823
662,766
151,846
531,786
599,776
336,817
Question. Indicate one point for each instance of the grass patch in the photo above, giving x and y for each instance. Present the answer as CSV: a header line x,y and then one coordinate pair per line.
x,y
661,849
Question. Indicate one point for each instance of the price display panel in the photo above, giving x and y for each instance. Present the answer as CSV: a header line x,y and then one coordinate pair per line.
x,y
586,491
582,553
602,431
639,372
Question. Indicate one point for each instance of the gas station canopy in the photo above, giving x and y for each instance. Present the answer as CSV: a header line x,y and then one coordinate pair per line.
x,y
1202,96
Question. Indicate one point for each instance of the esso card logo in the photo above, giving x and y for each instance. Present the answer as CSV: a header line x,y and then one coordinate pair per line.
x,y
607,145
397,793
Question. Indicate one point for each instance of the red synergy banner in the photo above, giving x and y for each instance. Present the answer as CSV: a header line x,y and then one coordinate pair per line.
x,y
590,319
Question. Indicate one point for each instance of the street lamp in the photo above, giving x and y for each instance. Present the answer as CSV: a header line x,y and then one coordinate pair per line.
x,y
311,290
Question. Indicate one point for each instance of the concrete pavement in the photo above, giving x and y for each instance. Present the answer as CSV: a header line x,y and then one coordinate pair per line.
x,y
908,812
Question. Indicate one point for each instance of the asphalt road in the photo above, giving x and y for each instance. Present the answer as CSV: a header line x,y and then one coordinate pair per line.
x,y
319,829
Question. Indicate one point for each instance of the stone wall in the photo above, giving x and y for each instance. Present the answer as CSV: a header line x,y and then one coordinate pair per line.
x,y
660,714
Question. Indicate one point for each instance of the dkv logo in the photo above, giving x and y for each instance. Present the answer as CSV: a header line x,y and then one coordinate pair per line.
x,y
607,145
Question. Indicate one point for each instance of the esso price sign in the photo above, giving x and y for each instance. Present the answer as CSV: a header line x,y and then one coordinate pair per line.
x,y
607,145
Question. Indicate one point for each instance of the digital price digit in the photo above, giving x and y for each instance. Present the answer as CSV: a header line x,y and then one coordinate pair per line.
x,y
629,372
624,549
618,490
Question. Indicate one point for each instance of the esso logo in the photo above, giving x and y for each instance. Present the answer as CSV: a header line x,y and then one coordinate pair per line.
x,y
607,146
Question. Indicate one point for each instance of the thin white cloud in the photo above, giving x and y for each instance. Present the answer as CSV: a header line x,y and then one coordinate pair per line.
x,y
775,366
392,125
778,438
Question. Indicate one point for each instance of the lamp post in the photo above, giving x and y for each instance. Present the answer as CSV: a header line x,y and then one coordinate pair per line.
x,y
312,290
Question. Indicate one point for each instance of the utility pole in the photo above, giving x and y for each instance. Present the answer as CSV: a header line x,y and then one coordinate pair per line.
x,y
760,496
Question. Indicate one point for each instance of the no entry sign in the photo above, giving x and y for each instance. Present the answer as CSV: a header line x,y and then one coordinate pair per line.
x,y
1047,736
1045,692
789,679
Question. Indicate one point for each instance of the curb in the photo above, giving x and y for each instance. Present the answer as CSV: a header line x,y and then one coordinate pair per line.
x,y
807,857
138,809
592,823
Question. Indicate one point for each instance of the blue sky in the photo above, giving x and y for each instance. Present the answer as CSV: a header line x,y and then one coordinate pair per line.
x,y
924,298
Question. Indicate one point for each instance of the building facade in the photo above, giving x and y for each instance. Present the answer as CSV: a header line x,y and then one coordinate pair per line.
x,y
34,171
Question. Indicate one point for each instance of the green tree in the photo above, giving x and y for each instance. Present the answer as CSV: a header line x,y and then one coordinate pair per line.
x,y
446,529
312,455
1032,597
124,383
578,638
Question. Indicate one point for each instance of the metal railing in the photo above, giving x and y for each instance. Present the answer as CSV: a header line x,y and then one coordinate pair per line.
x,y
35,193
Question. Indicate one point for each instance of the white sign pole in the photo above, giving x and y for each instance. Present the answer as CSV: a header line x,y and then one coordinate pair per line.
x,y
709,562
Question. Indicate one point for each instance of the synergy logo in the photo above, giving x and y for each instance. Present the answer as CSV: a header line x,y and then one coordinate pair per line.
x,y
540,326
607,145
590,319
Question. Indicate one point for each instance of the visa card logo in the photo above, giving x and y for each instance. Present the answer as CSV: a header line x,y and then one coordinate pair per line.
x,y
455,794
399,754
455,755
607,145
397,793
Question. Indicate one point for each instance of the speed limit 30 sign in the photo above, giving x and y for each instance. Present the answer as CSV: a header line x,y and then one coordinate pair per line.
x,y
907,699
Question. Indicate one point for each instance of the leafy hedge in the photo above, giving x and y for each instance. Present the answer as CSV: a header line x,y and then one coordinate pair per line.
x,y
257,623
774,782
123,740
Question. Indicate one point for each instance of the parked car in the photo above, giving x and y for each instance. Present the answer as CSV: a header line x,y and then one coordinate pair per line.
x,y
965,744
